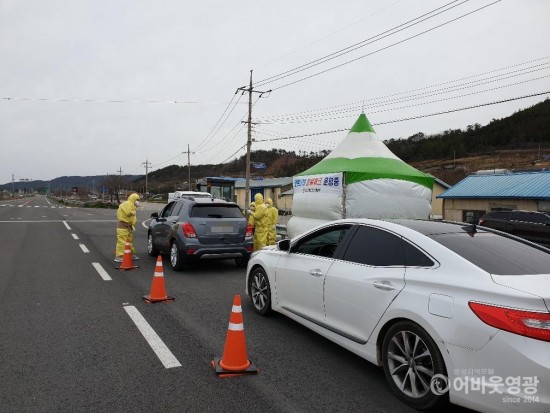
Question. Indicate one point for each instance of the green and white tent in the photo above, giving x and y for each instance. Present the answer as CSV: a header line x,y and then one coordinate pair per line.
x,y
360,178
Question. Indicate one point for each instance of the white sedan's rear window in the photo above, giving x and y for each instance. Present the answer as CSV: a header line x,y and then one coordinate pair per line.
x,y
497,254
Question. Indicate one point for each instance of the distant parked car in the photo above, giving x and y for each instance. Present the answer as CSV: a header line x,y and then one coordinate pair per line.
x,y
192,229
193,194
530,225
450,311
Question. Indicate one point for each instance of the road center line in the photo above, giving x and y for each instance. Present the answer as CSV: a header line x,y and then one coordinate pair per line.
x,y
74,236
66,225
83,248
163,353
102,273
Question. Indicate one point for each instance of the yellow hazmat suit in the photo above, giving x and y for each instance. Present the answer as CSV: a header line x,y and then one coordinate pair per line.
x,y
126,216
273,214
252,208
261,222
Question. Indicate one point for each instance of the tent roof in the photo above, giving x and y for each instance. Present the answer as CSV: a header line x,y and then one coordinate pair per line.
x,y
363,156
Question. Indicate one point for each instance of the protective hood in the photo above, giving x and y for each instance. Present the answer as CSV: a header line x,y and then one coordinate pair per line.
x,y
269,202
259,199
133,197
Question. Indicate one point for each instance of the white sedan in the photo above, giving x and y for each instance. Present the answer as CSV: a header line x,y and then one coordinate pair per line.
x,y
451,311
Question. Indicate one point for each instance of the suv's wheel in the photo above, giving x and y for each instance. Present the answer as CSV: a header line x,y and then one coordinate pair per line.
x,y
178,258
414,367
260,291
243,261
151,249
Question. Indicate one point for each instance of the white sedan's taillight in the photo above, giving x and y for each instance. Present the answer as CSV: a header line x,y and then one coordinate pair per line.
x,y
531,324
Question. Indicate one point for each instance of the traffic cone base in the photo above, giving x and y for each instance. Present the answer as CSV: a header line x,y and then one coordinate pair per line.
x,y
222,373
234,361
127,263
157,300
158,289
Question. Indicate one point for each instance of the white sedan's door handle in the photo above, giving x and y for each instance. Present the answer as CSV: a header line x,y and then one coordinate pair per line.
x,y
384,285
316,272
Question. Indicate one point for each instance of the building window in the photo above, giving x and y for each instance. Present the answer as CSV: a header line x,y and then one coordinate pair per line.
x,y
472,217
502,207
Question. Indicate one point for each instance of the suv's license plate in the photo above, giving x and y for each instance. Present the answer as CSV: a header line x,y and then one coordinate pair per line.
x,y
218,230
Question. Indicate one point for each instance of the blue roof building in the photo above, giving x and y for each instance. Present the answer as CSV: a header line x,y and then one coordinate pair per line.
x,y
480,193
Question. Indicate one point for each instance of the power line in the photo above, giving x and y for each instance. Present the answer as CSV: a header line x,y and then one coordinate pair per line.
x,y
384,48
358,45
232,139
214,131
328,35
189,102
414,117
353,110
234,153
354,104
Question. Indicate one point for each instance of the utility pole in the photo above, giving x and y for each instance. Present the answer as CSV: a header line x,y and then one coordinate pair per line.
x,y
12,184
119,171
188,167
147,165
249,139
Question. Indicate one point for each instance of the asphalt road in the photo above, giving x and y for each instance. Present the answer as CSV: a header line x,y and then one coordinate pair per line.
x,y
68,343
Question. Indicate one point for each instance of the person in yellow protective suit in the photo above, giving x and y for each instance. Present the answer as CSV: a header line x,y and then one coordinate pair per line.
x,y
126,216
261,222
252,209
273,214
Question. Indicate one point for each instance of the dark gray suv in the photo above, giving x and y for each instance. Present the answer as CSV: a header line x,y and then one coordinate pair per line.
x,y
192,229
530,225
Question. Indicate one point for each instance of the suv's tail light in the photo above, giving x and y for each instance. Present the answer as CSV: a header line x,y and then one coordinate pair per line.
x,y
188,230
525,323
481,221
248,230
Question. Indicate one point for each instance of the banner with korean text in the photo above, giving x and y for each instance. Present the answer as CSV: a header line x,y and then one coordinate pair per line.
x,y
322,184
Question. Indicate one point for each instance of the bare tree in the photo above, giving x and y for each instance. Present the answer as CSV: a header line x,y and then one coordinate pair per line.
x,y
114,184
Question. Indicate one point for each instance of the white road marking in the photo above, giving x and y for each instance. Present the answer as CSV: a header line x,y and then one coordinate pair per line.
x,y
102,273
74,236
66,225
163,353
83,248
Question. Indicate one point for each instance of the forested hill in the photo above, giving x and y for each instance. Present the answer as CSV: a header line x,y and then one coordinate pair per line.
x,y
469,149
525,129
519,141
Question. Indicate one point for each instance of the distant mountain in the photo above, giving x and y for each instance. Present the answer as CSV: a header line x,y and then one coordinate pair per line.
x,y
63,183
520,141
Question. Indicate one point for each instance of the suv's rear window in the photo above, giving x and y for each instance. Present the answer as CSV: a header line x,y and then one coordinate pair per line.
x,y
216,211
497,254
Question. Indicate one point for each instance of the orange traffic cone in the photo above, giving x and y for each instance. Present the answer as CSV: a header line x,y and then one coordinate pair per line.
x,y
234,361
127,258
158,289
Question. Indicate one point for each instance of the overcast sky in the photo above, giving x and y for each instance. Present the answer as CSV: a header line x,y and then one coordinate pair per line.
x,y
89,87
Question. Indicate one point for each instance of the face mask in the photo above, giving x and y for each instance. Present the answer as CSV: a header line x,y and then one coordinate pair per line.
x,y
137,203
